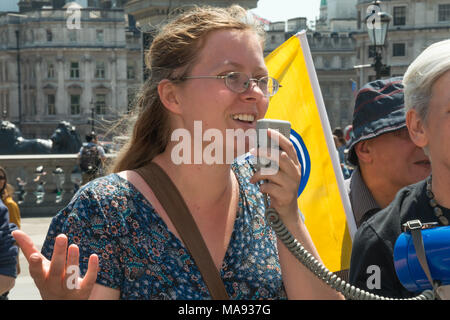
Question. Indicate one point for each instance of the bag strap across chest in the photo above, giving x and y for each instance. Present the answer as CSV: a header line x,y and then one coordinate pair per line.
x,y
175,206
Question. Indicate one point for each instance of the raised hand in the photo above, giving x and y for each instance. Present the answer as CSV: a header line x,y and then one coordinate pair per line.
x,y
58,279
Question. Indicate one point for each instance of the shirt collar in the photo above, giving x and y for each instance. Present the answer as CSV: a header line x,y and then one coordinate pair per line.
x,y
361,198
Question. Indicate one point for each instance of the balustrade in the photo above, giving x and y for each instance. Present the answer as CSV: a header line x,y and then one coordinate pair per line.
x,y
44,184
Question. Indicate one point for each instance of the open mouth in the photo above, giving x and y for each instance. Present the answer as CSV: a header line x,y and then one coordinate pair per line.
x,y
244,118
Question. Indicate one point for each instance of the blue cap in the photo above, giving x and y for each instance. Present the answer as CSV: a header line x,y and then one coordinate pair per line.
x,y
379,109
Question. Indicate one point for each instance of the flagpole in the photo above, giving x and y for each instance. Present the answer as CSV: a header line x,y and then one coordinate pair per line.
x,y
301,36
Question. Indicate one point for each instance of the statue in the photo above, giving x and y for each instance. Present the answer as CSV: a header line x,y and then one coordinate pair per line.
x,y
64,140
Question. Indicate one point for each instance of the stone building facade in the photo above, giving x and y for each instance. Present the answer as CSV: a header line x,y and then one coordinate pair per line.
x,y
414,26
84,74
334,58
340,42
333,50
151,14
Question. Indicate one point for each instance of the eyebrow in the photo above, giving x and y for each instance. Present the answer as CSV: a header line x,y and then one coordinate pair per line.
x,y
227,63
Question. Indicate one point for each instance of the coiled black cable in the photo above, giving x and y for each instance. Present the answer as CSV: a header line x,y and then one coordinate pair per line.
x,y
319,270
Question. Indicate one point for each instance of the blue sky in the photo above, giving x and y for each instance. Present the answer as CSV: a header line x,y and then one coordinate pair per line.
x,y
282,10
9,5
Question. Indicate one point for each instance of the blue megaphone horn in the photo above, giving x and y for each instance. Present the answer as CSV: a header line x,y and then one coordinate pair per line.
x,y
415,268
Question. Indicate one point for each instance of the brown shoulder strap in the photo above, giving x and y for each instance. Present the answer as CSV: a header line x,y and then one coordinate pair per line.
x,y
178,212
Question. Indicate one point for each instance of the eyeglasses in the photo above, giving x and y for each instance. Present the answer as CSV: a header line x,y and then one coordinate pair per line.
x,y
2,178
239,82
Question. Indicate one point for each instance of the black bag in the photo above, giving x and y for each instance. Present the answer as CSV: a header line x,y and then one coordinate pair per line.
x,y
90,159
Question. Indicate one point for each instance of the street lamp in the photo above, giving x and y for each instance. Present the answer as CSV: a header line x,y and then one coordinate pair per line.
x,y
377,23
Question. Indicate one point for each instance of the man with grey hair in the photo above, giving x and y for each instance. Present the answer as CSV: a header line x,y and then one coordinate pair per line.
x,y
427,101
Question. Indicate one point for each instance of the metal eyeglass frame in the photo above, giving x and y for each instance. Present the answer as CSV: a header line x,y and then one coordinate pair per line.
x,y
276,86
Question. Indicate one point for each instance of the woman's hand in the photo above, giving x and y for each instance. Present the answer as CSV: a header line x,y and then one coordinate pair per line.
x,y
282,187
57,279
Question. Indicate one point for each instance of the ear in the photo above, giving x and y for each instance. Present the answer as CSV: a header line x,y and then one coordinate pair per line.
x,y
416,128
363,150
167,91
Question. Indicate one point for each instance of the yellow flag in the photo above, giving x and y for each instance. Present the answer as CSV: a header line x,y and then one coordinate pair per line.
x,y
323,200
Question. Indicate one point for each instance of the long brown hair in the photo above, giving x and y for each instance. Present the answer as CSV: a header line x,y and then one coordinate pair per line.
x,y
4,191
172,54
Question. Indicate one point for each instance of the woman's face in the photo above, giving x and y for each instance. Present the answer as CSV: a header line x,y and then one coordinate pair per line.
x,y
209,100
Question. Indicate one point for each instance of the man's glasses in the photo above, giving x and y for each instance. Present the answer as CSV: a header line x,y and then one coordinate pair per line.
x,y
239,82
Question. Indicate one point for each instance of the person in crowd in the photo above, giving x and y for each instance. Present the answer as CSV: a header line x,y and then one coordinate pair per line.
x,y
8,252
381,150
91,158
206,65
339,143
427,101
6,194
20,190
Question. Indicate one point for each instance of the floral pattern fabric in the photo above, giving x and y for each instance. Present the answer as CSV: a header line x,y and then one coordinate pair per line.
x,y
142,258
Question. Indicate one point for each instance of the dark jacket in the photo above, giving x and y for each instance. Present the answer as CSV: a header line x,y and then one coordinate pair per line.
x,y
374,241
8,249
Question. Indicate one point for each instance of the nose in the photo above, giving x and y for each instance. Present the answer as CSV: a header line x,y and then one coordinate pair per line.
x,y
253,83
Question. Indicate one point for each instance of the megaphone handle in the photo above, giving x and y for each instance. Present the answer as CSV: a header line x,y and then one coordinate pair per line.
x,y
416,235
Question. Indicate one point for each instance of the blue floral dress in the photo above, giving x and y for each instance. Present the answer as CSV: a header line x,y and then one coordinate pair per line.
x,y
139,255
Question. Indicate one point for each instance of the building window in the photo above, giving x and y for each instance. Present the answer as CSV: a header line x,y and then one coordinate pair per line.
x,y
93,3
358,22
50,71
74,104
32,73
398,50
99,36
444,12
51,108
49,35
33,104
399,16
74,70
100,70
100,104
72,36
130,72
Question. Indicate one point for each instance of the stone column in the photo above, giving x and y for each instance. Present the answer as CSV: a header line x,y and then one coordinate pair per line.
x,y
62,99
87,97
113,70
40,101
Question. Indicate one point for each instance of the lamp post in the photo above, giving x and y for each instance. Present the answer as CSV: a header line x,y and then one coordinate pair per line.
x,y
377,24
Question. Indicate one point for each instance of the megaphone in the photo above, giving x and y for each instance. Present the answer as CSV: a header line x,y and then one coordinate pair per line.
x,y
436,244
